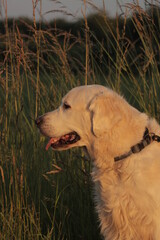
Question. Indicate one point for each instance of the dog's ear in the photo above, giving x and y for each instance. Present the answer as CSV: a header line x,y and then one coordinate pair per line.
x,y
105,113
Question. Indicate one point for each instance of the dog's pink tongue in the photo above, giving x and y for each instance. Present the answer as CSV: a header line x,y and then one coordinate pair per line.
x,y
52,140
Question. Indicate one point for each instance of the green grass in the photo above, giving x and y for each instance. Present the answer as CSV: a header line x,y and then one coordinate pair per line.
x,y
49,195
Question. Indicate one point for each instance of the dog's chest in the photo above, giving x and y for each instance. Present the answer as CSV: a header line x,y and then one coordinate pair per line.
x,y
121,212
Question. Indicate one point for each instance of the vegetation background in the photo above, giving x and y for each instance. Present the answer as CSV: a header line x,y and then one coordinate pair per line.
x,y
48,195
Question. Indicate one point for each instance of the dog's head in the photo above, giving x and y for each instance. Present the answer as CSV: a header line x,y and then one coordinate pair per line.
x,y
86,113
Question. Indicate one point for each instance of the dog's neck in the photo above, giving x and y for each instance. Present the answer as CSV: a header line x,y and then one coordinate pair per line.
x,y
105,148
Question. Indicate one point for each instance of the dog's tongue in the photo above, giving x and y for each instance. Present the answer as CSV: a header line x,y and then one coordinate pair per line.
x,y
51,141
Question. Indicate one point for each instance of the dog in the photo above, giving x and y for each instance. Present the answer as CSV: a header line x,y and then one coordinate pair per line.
x,y
123,144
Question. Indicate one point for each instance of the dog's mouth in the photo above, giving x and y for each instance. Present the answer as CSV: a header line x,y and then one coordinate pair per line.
x,y
63,141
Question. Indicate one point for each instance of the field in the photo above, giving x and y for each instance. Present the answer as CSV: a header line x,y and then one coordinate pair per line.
x,y
48,195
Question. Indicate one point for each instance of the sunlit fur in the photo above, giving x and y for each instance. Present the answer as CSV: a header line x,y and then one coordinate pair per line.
x,y
127,193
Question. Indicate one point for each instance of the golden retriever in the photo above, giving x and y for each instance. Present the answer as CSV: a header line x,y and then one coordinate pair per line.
x,y
123,144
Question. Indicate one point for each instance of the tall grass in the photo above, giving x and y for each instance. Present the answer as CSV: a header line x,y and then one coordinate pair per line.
x,y
48,195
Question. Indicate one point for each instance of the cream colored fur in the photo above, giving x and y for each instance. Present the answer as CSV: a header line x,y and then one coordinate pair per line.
x,y
127,193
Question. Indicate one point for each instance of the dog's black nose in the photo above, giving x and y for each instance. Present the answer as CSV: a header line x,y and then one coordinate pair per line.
x,y
39,121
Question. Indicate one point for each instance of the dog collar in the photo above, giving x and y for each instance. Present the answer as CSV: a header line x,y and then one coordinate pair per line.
x,y
147,139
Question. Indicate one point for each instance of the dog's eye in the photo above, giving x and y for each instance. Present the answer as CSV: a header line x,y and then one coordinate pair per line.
x,y
66,106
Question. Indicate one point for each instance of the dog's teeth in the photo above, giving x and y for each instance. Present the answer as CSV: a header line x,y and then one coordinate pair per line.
x,y
72,137
65,137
